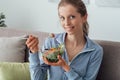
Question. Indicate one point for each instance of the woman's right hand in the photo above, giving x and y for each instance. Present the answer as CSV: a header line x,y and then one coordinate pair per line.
x,y
32,43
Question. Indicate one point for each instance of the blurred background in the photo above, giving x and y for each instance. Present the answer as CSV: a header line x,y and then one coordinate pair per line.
x,y
42,15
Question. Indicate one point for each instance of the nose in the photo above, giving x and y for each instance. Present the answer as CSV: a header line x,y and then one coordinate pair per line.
x,y
67,22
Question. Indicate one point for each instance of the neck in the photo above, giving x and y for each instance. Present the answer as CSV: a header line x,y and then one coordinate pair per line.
x,y
75,40
74,45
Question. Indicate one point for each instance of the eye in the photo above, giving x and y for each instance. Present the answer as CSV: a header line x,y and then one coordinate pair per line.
x,y
62,18
72,17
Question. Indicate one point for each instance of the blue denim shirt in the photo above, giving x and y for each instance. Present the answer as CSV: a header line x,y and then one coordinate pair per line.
x,y
84,66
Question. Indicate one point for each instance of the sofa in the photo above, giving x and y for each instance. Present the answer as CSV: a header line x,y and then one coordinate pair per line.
x,y
16,67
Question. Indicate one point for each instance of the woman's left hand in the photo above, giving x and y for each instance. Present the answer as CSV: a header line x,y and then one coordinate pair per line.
x,y
61,62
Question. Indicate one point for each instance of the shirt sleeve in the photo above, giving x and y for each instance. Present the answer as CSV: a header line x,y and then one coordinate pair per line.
x,y
92,69
37,71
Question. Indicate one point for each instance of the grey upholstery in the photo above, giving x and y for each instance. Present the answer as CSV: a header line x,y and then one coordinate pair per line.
x,y
110,67
9,32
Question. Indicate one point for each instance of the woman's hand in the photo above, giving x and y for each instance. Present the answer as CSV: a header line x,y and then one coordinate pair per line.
x,y
61,62
32,43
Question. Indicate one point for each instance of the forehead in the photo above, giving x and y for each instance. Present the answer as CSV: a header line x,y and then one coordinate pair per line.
x,y
67,9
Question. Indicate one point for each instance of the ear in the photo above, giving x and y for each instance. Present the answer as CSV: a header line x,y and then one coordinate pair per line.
x,y
85,18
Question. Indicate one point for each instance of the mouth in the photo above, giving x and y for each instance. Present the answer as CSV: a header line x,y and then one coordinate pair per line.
x,y
69,28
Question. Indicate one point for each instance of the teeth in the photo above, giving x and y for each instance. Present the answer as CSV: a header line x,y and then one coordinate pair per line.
x,y
69,28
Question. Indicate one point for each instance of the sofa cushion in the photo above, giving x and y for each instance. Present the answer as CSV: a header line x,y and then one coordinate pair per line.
x,y
110,67
14,71
12,49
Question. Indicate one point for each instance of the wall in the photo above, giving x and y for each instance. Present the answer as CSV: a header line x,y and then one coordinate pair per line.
x,y
42,15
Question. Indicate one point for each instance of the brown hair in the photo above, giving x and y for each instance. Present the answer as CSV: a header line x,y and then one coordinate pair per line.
x,y
81,8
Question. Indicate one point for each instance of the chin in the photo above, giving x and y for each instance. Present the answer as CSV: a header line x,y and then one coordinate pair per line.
x,y
70,33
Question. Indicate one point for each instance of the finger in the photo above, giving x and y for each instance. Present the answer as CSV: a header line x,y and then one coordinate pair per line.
x,y
52,35
31,43
29,39
61,60
59,57
34,44
34,50
45,60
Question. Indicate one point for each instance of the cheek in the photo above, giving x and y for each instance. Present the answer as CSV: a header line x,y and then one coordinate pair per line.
x,y
61,23
77,23
80,22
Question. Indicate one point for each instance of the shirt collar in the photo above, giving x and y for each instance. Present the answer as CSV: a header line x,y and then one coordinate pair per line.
x,y
61,38
89,46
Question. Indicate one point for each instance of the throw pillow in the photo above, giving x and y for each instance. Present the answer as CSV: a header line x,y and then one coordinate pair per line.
x,y
14,71
12,49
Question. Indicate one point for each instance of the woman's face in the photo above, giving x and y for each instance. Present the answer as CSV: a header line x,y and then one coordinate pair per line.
x,y
70,19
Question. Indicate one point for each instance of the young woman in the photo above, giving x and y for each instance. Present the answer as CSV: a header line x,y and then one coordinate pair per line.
x,y
82,57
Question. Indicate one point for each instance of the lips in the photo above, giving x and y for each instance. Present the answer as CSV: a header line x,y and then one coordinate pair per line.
x,y
68,28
